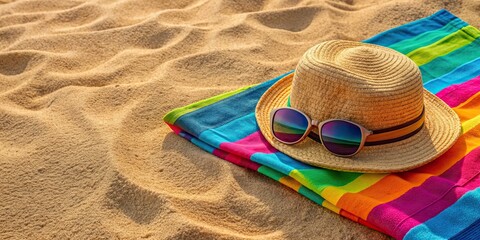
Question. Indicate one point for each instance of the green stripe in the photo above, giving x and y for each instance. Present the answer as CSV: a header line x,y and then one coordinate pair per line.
x,y
427,38
317,179
444,46
275,175
173,115
269,172
311,195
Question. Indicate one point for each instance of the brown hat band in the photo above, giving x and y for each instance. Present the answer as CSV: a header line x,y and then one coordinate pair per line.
x,y
396,133
391,134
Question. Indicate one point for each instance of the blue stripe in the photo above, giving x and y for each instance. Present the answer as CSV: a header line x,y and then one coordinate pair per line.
x,y
472,232
412,29
224,111
459,75
451,221
428,38
202,145
197,142
279,162
447,63
230,132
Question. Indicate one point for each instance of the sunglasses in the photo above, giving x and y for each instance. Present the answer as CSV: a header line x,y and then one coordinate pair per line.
x,y
340,137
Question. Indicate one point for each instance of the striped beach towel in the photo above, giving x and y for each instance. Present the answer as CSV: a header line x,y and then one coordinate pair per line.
x,y
439,200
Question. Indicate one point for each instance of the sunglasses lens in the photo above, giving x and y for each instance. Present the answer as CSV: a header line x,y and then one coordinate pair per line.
x,y
340,137
289,125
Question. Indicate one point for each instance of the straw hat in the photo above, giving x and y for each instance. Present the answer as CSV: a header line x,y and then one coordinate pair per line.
x,y
371,85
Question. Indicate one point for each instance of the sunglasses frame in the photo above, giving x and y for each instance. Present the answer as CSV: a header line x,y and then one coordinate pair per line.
x,y
316,123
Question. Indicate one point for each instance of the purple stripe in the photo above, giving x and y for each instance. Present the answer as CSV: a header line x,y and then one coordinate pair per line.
x,y
423,202
436,207
185,135
459,93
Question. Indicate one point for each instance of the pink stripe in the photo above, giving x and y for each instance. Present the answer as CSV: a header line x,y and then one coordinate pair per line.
x,y
422,203
459,93
245,147
243,162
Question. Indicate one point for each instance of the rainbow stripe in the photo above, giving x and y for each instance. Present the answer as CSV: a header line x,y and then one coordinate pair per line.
x,y
438,200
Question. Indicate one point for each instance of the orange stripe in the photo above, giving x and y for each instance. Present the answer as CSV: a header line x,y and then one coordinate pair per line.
x,y
469,109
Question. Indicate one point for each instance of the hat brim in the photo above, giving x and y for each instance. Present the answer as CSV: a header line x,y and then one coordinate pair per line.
x,y
441,129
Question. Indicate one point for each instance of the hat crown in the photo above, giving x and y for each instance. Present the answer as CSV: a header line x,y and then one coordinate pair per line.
x,y
372,85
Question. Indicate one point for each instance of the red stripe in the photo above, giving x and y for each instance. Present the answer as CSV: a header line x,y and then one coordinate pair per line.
x,y
243,162
174,128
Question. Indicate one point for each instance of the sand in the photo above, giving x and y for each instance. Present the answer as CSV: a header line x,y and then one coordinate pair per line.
x,y
84,85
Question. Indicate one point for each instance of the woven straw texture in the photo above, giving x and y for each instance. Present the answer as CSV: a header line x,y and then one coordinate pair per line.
x,y
371,85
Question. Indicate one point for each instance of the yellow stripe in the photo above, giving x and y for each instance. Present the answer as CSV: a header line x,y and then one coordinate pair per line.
x,y
333,194
470,124
290,182
330,206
